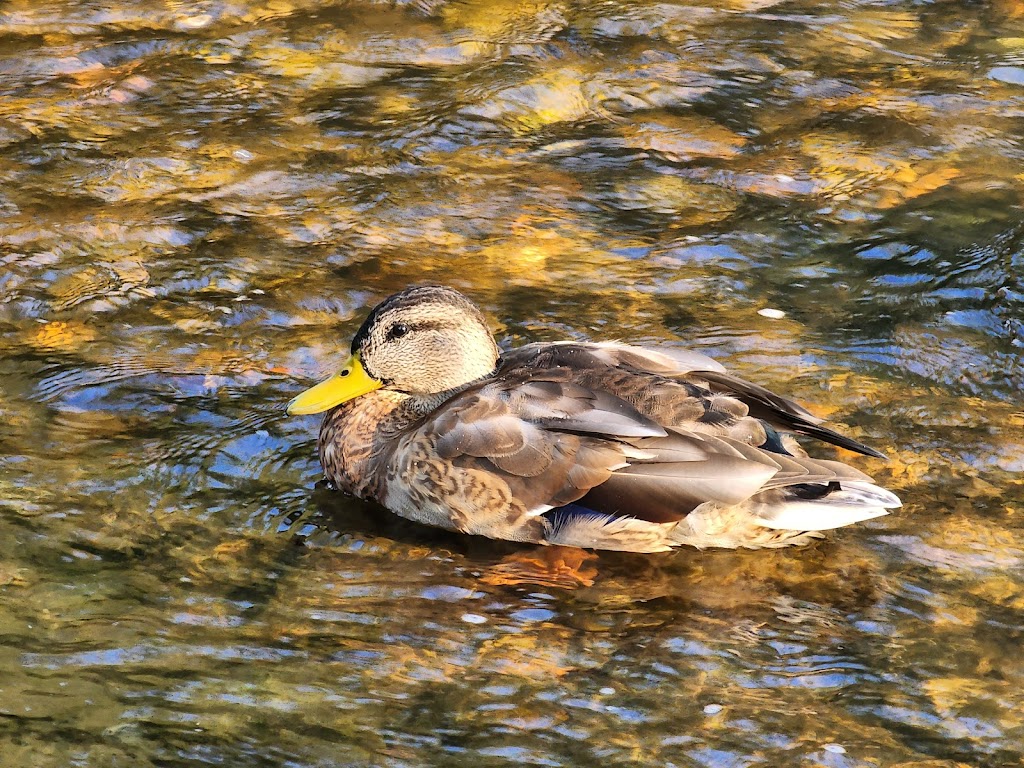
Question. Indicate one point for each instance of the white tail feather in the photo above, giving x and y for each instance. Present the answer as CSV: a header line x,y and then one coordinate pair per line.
x,y
860,491
856,501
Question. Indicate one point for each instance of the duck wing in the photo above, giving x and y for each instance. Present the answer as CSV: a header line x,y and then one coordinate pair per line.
x,y
685,389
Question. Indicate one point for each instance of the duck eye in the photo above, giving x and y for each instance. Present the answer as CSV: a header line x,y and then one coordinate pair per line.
x,y
398,330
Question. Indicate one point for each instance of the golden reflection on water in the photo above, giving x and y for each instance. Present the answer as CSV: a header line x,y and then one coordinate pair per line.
x,y
199,203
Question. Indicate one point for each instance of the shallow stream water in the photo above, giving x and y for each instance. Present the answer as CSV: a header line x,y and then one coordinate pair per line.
x,y
199,201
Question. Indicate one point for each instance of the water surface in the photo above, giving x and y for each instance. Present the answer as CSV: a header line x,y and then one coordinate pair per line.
x,y
200,201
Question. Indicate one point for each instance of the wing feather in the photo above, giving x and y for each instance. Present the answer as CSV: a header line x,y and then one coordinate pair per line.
x,y
781,412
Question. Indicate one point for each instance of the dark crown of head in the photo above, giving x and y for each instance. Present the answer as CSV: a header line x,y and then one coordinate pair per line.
x,y
419,294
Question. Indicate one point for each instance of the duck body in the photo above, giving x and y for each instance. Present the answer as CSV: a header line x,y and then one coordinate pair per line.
x,y
598,445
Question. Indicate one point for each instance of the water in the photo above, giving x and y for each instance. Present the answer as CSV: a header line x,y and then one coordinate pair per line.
x,y
200,201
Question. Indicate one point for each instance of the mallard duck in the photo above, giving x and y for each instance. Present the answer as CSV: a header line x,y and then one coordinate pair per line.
x,y
599,445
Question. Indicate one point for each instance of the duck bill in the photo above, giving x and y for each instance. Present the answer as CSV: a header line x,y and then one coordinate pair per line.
x,y
350,382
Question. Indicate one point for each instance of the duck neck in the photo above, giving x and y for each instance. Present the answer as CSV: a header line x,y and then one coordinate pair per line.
x,y
421,405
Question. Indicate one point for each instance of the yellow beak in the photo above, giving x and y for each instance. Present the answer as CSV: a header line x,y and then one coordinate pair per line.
x,y
351,381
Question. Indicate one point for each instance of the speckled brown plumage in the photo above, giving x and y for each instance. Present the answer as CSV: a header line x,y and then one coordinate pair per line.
x,y
596,445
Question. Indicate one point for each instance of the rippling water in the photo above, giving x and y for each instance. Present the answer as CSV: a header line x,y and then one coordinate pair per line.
x,y
200,201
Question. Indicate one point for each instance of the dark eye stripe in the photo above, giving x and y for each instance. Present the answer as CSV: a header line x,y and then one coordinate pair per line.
x,y
425,325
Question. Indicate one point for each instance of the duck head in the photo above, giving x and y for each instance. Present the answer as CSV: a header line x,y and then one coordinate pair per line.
x,y
423,341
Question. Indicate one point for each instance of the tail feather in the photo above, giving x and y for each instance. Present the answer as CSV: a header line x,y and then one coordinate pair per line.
x,y
852,502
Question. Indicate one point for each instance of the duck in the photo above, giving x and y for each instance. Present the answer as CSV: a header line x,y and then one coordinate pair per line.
x,y
598,445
